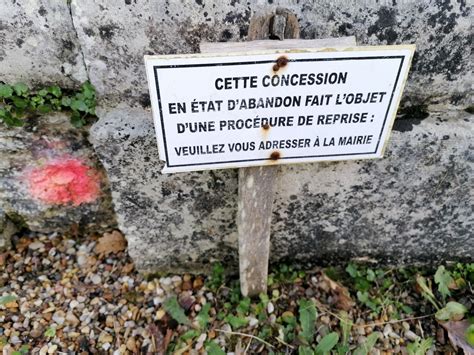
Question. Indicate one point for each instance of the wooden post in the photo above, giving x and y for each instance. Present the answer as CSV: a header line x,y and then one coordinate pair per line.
x,y
257,187
257,184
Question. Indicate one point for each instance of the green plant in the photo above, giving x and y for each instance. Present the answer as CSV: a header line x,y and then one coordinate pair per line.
x,y
50,332
24,349
284,274
173,308
420,347
7,299
327,343
375,290
17,102
307,318
367,346
452,311
216,279
444,280
346,325
470,335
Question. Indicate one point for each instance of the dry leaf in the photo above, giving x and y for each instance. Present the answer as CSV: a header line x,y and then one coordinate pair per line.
x,y
341,294
111,243
127,268
456,333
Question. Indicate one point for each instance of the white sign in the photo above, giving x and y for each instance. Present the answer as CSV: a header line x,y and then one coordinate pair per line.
x,y
215,112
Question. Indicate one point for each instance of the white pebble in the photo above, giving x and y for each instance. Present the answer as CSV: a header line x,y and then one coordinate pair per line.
x,y
36,245
270,308
411,336
253,322
96,279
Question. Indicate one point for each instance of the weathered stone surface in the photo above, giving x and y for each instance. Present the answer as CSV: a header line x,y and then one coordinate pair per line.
x,y
38,44
412,206
7,230
50,178
170,221
115,36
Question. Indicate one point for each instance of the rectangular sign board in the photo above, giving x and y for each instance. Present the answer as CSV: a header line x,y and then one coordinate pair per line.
x,y
275,107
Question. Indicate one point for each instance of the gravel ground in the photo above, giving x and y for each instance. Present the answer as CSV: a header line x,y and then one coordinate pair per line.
x,y
84,296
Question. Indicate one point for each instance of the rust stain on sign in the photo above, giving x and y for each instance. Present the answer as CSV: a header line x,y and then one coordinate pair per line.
x,y
275,155
280,63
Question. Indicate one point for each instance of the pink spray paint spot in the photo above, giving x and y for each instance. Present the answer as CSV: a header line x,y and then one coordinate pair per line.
x,y
64,180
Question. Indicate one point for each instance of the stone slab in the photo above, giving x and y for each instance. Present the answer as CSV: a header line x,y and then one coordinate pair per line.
x,y
115,35
38,44
413,206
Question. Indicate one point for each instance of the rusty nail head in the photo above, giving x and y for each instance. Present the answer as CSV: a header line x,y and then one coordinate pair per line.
x,y
275,155
276,67
282,61
266,126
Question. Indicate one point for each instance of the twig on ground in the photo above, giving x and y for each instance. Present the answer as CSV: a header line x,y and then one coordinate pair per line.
x,y
245,335
375,323
285,343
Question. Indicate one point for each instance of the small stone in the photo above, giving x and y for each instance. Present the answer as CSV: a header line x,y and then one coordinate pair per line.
x,y
3,259
394,335
177,280
160,314
253,322
165,281
52,349
15,340
406,326
411,336
270,308
11,304
44,350
85,330
325,319
59,317
96,279
109,321
73,304
36,333
105,337
82,260
131,345
200,341
387,330
198,283
71,319
36,245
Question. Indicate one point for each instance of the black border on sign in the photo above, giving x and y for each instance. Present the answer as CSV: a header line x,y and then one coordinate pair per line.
x,y
155,67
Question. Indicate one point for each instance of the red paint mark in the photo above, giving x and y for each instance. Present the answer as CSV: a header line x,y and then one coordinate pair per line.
x,y
64,180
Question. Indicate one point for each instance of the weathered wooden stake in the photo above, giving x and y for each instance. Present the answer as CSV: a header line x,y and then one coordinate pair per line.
x,y
256,194
257,184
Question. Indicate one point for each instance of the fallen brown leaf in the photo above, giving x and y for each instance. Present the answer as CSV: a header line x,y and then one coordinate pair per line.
x,y
456,331
111,243
342,298
127,268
